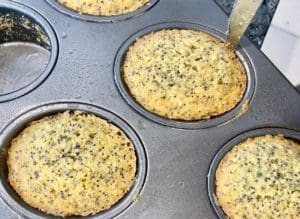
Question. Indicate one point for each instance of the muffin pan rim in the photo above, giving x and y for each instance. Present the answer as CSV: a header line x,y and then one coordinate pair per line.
x,y
15,126
220,120
102,19
51,35
225,148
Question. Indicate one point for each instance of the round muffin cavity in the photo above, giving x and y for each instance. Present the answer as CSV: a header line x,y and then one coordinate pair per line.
x,y
260,178
28,50
184,74
104,7
71,163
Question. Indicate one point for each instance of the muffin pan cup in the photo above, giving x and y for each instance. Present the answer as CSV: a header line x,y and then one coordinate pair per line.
x,y
25,27
178,156
106,19
215,121
10,197
288,133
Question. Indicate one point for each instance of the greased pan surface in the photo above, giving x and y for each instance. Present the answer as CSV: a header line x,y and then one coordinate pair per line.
x,y
178,159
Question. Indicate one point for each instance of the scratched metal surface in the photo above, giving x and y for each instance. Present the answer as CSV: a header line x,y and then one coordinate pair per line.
x,y
178,158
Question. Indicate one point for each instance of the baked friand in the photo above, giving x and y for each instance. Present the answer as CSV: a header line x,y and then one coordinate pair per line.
x,y
184,74
260,178
71,163
104,7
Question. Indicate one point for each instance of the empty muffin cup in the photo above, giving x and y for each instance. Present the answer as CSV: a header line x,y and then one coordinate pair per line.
x,y
28,50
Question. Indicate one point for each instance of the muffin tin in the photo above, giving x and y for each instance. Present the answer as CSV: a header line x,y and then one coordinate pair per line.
x,y
176,161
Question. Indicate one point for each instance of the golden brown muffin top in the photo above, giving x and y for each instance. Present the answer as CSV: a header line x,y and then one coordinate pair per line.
x,y
260,178
71,163
184,74
103,7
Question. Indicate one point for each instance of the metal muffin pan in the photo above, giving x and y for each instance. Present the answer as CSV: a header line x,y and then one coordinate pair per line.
x,y
291,134
27,33
178,159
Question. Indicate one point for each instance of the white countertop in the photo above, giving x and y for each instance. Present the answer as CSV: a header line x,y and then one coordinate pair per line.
x,y
282,42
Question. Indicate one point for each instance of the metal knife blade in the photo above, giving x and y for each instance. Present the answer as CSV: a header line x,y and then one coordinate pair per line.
x,y
240,18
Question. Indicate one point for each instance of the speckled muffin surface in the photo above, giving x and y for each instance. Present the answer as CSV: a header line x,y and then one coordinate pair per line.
x,y
104,7
71,163
260,178
184,74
